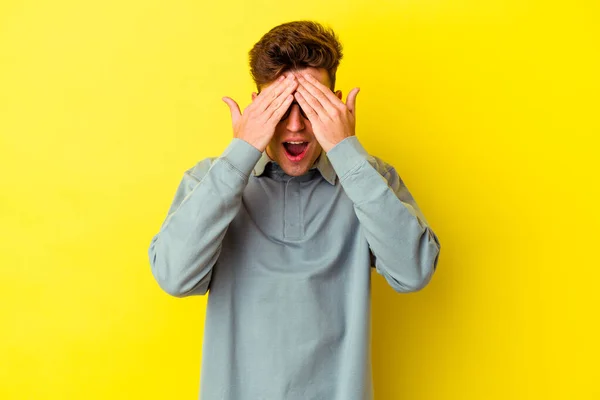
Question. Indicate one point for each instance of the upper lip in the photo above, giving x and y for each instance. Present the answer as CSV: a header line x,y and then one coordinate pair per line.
x,y
296,140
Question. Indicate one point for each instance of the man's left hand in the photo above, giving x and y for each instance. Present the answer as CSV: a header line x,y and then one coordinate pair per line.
x,y
332,120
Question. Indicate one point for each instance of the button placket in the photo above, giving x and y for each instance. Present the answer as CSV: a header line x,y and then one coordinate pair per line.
x,y
293,218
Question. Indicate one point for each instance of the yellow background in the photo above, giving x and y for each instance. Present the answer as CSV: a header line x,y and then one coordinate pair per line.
x,y
488,109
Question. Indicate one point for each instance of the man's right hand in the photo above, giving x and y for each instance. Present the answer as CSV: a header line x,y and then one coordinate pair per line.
x,y
257,124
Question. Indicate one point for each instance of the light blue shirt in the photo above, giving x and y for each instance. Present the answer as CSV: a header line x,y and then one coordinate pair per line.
x,y
288,264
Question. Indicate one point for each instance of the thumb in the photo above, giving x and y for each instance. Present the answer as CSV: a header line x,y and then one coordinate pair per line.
x,y
351,100
234,109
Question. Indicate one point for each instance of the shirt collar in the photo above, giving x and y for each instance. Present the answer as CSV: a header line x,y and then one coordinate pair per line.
x,y
322,164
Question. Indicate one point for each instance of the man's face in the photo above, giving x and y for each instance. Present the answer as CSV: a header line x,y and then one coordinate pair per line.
x,y
294,146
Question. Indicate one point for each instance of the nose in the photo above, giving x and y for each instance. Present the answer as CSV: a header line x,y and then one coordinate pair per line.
x,y
295,122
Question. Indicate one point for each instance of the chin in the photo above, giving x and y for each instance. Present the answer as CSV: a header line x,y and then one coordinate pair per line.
x,y
295,170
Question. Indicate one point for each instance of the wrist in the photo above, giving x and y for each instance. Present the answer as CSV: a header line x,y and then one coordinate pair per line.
x,y
258,146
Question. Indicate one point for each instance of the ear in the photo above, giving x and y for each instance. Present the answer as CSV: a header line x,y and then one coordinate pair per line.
x,y
339,94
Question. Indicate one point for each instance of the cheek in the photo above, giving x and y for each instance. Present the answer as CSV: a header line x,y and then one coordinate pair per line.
x,y
278,133
279,129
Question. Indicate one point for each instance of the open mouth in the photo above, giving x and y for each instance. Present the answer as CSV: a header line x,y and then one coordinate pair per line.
x,y
295,151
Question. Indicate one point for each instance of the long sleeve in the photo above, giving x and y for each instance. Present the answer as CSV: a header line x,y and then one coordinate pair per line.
x,y
186,248
404,249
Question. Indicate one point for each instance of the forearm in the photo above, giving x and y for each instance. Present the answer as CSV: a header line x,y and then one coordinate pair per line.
x,y
406,249
188,244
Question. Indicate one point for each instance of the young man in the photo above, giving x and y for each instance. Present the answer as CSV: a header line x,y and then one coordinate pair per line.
x,y
284,227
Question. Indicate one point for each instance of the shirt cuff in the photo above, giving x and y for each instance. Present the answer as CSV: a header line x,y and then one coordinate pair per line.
x,y
242,156
347,155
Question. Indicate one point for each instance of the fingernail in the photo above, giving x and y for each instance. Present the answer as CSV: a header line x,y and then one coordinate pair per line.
x,y
281,77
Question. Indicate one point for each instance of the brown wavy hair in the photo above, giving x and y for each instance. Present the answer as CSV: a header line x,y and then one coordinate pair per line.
x,y
296,44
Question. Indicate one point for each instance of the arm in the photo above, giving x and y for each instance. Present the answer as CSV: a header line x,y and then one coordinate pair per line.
x,y
184,251
405,250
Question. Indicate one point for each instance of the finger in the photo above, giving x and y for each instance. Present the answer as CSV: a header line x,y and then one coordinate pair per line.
x,y
351,100
324,90
260,97
313,92
308,110
313,102
267,96
279,111
277,102
234,109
